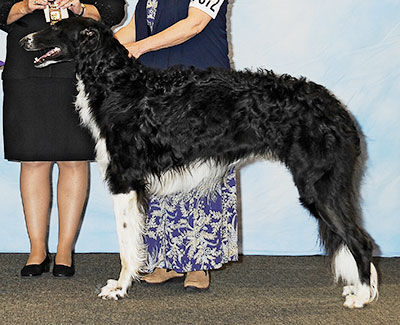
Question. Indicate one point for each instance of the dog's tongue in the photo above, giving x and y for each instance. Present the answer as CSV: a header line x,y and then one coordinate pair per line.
x,y
49,54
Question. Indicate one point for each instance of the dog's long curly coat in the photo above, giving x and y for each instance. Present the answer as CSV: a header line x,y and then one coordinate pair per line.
x,y
170,131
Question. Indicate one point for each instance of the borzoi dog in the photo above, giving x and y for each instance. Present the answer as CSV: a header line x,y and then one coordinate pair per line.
x,y
170,131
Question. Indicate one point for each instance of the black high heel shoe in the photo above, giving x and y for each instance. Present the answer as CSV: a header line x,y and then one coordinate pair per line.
x,y
37,269
60,270
63,270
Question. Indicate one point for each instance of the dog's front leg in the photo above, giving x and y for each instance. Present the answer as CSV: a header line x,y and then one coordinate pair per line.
x,y
132,251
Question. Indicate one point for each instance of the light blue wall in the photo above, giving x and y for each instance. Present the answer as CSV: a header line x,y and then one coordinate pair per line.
x,y
351,47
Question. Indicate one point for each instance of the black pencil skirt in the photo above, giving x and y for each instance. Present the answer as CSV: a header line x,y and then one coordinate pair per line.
x,y
40,122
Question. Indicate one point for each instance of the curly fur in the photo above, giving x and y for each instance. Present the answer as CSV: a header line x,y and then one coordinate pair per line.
x,y
163,131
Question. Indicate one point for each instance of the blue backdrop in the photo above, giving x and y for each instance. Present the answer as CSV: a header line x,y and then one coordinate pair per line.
x,y
351,47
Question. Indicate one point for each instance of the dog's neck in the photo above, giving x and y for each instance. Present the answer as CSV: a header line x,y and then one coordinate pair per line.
x,y
104,71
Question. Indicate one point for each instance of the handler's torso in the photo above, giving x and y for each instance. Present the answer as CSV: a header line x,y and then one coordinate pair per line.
x,y
207,49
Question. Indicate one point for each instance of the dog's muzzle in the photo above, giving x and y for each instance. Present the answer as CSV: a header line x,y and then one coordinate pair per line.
x,y
27,42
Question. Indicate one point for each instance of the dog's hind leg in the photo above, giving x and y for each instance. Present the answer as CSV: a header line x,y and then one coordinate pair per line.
x,y
351,248
333,200
358,290
129,222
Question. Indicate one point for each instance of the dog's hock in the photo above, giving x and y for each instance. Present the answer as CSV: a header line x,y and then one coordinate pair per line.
x,y
356,293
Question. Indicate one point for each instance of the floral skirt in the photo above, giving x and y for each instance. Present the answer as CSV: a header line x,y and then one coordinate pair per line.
x,y
194,232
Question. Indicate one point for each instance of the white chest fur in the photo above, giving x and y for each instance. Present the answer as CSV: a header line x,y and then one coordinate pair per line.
x,y
82,106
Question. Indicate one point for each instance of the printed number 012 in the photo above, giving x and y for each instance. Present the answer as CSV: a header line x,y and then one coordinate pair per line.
x,y
202,2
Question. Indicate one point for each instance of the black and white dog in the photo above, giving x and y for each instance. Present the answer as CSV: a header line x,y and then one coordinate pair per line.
x,y
163,132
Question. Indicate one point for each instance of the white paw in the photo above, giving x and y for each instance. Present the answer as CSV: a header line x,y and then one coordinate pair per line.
x,y
352,301
112,291
358,298
348,290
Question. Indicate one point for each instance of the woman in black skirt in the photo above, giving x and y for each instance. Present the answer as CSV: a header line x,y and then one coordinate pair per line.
x,y
41,127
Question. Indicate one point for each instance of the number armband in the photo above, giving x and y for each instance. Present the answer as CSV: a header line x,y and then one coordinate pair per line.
x,y
211,7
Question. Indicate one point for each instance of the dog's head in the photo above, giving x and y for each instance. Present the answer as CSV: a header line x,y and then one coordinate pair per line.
x,y
65,41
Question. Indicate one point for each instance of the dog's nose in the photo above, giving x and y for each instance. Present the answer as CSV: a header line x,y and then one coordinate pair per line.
x,y
26,42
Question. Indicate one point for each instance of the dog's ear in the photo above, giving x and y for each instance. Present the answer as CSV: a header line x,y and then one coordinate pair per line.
x,y
89,40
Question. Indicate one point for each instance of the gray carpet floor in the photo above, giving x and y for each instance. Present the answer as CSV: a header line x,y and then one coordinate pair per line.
x,y
256,290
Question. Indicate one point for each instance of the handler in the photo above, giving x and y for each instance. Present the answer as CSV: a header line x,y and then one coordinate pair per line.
x,y
197,234
41,127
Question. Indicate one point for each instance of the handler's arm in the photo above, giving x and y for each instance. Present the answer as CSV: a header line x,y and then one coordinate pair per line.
x,y
127,34
22,8
176,34
89,11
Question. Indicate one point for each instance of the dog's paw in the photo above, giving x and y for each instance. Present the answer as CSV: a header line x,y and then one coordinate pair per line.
x,y
353,301
348,290
112,291
357,298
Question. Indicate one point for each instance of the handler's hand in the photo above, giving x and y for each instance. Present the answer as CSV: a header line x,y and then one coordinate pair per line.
x,y
133,49
31,5
74,5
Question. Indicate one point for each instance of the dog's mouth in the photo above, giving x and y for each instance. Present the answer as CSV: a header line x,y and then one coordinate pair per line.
x,y
54,52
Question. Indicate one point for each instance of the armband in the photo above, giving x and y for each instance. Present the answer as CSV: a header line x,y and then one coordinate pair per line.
x,y
210,7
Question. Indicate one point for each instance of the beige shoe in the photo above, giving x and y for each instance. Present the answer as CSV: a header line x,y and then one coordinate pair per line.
x,y
197,280
160,276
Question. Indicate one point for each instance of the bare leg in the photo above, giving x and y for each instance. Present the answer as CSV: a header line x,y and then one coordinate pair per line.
x,y
72,191
36,194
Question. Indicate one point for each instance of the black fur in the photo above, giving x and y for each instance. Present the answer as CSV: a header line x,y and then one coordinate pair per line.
x,y
155,121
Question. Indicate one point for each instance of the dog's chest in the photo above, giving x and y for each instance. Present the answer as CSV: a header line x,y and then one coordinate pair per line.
x,y
82,106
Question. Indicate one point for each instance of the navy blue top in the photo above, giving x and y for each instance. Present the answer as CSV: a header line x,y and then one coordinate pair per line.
x,y
207,49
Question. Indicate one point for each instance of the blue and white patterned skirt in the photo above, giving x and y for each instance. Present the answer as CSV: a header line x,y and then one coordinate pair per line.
x,y
194,233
